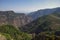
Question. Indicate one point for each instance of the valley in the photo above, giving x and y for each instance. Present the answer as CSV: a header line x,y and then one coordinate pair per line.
x,y
38,25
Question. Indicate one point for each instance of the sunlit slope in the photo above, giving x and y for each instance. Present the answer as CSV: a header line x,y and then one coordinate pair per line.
x,y
9,32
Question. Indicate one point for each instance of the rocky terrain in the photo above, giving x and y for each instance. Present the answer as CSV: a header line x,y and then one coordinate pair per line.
x,y
12,18
39,25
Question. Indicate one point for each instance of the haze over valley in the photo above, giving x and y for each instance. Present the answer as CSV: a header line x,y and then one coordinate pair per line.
x,y
29,19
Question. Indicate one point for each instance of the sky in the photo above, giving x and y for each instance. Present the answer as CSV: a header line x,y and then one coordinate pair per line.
x,y
26,6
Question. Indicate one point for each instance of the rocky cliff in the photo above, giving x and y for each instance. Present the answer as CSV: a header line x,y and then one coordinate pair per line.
x,y
12,18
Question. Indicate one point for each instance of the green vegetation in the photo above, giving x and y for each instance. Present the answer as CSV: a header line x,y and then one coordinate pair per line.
x,y
11,33
45,28
46,36
50,28
45,23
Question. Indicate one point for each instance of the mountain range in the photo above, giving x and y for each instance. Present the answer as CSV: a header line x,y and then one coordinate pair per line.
x,y
39,25
21,19
45,23
42,12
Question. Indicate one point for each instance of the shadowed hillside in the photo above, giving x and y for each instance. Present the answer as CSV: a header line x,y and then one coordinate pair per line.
x,y
43,12
45,23
44,28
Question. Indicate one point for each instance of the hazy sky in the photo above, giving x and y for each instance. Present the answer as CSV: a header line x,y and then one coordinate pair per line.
x,y
27,5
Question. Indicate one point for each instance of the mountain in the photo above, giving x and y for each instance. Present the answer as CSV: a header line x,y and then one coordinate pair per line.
x,y
45,23
12,18
43,12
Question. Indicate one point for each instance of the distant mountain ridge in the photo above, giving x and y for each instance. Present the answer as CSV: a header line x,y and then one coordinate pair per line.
x,y
42,12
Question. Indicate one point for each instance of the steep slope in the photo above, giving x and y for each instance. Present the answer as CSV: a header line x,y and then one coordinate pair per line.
x,y
45,23
43,12
16,19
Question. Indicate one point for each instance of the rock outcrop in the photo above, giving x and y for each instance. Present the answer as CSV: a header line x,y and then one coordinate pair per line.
x,y
12,18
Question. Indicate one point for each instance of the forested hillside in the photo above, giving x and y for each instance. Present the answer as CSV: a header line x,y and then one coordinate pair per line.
x,y
45,23
44,28
9,32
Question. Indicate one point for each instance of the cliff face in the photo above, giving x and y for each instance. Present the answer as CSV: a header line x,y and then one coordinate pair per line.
x,y
16,19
